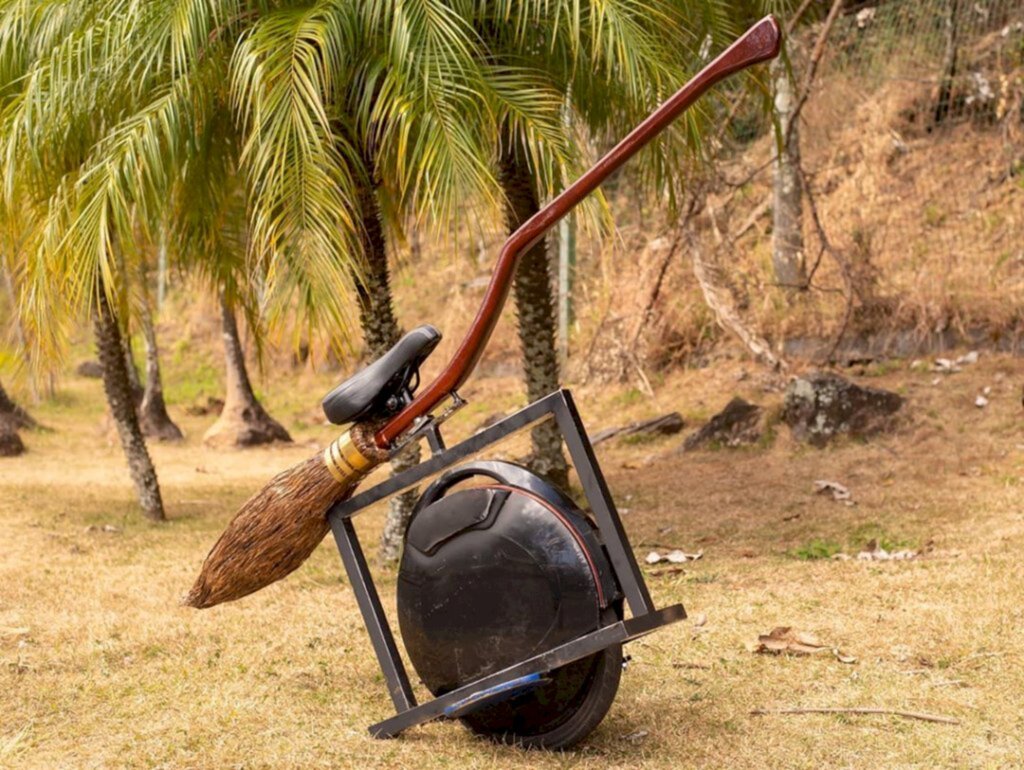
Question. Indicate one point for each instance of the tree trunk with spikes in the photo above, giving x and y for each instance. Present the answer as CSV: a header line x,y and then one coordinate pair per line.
x,y
134,381
535,311
380,332
243,422
153,415
117,386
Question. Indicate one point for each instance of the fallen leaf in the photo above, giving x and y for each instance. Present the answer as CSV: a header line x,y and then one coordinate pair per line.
x,y
786,640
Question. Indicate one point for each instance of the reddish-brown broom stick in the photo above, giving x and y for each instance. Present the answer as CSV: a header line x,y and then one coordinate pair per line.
x,y
278,528
760,43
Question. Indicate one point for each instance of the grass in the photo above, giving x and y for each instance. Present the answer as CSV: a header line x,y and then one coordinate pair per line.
x,y
100,667
816,549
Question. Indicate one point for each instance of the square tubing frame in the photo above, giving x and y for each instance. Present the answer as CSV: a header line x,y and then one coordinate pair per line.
x,y
645,617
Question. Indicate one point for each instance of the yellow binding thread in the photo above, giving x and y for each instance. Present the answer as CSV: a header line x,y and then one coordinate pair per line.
x,y
344,461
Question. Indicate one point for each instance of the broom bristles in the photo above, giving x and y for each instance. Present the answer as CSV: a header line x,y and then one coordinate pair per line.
x,y
274,532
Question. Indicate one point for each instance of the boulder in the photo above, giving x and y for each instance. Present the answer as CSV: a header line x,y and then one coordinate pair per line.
x,y
666,425
821,406
739,423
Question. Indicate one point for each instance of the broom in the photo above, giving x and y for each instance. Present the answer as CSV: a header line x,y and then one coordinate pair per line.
x,y
282,524
279,527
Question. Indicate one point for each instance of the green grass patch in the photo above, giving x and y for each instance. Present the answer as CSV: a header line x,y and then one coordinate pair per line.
x,y
815,549
639,439
629,397
864,534
202,380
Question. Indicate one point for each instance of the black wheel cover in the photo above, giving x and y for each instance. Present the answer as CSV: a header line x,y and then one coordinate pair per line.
x,y
493,575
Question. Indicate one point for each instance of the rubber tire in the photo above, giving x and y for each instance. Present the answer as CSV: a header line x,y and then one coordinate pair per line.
x,y
590,705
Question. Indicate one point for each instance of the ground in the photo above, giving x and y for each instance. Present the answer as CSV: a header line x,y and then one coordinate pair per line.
x,y
102,668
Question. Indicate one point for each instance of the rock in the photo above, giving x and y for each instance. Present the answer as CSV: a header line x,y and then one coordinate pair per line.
x,y
91,369
739,423
822,406
666,425
835,490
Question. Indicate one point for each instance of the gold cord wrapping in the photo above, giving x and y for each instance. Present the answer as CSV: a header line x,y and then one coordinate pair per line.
x,y
344,461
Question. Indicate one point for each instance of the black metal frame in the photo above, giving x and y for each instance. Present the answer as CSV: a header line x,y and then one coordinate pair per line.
x,y
644,617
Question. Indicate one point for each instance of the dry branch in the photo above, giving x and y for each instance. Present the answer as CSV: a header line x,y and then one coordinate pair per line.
x,y
719,300
864,710
812,65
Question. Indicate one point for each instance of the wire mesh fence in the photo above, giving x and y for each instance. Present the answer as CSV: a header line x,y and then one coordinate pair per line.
x,y
912,159
913,144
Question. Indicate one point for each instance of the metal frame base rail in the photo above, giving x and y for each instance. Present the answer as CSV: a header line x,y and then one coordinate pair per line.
x,y
645,618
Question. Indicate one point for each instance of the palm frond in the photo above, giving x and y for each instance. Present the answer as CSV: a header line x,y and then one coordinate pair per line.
x,y
302,191
419,104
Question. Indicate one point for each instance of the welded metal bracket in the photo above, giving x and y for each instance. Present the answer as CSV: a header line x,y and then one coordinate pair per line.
x,y
644,617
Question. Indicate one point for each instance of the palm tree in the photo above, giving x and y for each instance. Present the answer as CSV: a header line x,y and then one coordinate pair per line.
x,y
535,313
35,40
611,63
409,133
142,82
121,399
153,416
243,421
380,332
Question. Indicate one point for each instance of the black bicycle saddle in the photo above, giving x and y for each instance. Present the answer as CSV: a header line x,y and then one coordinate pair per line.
x,y
379,389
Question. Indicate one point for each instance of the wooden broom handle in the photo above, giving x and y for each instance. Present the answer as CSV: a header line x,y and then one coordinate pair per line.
x,y
760,43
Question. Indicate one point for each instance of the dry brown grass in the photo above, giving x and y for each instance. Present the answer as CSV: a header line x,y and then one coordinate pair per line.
x,y
100,667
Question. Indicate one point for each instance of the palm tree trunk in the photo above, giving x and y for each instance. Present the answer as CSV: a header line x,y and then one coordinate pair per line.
x,y
12,413
134,381
380,332
535,311
153,410
243,421
787,203
116,385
